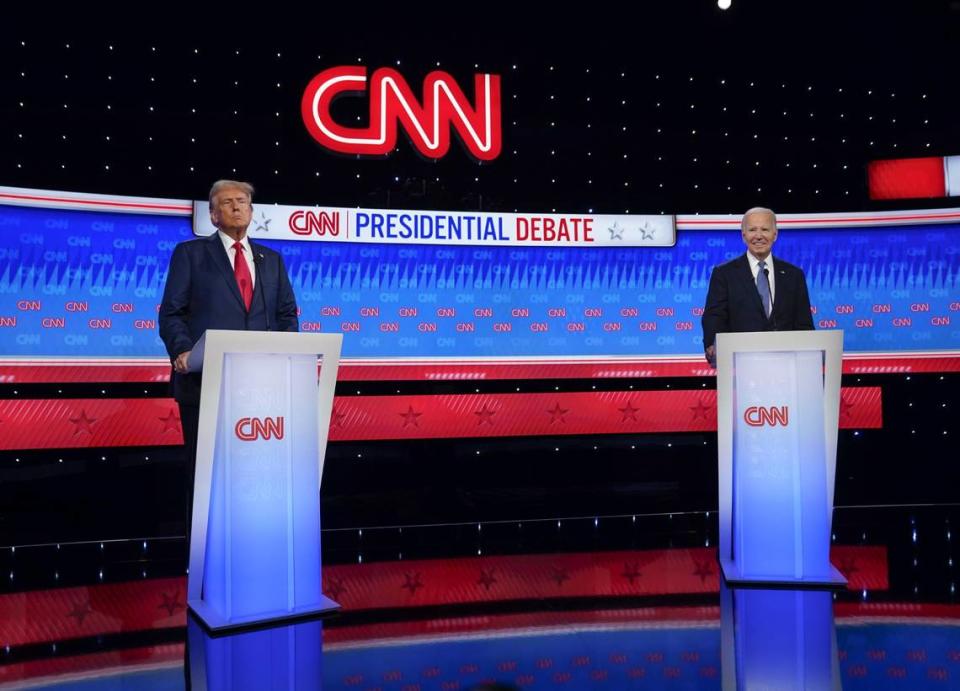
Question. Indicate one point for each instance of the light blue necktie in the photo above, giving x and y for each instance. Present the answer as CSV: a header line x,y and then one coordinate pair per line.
x,y
763,287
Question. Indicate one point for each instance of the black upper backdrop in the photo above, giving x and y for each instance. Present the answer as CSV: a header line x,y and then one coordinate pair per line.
x,y
797,58
675,107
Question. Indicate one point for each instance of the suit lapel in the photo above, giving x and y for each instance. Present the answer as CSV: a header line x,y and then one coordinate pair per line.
x,y
219,255
746,276
259,269
782,279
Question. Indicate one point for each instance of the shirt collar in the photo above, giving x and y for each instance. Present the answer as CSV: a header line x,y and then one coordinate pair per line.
x,y
754,262
228,242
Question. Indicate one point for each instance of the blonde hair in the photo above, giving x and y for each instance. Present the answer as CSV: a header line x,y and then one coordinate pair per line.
x,y
221,185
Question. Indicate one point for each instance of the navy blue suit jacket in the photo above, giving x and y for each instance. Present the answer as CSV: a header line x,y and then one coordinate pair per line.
x,y
733,302
202,293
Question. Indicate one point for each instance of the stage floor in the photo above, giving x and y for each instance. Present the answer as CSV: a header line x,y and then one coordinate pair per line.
x,y
611,602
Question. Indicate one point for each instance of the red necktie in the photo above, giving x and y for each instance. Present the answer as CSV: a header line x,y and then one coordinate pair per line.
x,y
242,273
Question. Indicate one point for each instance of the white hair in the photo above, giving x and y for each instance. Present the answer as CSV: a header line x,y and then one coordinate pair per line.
x,y
757,210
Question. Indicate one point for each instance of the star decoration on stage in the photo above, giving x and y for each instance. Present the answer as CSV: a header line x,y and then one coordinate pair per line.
x,y
631,572
80,611
170,422
334,588
559,575
646,231
557,413
845,406
337,417
412,582
263,225
704,569
82,423
171,602
484,415
629,412
700,410
487,578
848,567
616,231
410,417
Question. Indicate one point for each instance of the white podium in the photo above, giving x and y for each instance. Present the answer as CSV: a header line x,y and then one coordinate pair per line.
x,y
264,422
778,408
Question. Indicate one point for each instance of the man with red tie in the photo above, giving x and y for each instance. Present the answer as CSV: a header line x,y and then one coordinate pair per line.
x,y
223,281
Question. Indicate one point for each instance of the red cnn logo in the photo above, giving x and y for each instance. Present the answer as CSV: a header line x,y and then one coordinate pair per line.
x,y
392,100
253,428
320,222
758,416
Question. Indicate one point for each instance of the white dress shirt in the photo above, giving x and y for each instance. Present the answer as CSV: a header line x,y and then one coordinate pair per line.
x,y
247,254
755,268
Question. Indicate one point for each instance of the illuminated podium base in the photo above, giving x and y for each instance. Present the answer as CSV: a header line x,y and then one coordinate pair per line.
x,y
734,576
212,620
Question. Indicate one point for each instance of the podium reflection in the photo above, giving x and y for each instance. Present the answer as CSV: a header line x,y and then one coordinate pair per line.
x,y
280,657
777,639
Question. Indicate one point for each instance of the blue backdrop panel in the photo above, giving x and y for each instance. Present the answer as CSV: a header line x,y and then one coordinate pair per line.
x,y
85,283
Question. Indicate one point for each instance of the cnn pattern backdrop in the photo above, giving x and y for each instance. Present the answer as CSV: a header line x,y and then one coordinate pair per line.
x,y
87,283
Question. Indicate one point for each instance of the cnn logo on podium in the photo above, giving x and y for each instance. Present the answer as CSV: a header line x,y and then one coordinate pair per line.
x,y
767,416
254,428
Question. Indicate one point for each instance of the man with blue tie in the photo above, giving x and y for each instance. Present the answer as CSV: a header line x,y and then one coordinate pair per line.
x,y
754,292
223,281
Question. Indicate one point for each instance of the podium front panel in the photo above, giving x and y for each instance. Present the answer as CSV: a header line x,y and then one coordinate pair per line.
x,y
265,480
780,507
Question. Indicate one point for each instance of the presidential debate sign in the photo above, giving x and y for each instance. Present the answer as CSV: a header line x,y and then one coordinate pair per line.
x,y
397,227
83,275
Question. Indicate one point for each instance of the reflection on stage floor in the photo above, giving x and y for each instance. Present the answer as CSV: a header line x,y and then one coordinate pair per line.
x,y
606,607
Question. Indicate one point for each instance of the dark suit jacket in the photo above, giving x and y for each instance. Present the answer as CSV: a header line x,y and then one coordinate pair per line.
x,y
202,293
733,303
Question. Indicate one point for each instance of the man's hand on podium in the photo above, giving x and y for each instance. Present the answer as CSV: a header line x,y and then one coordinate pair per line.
x,y
711,354
180,363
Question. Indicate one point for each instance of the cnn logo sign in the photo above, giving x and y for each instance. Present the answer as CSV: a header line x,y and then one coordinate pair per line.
x,y
427,122
760,416
253,428
320,222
